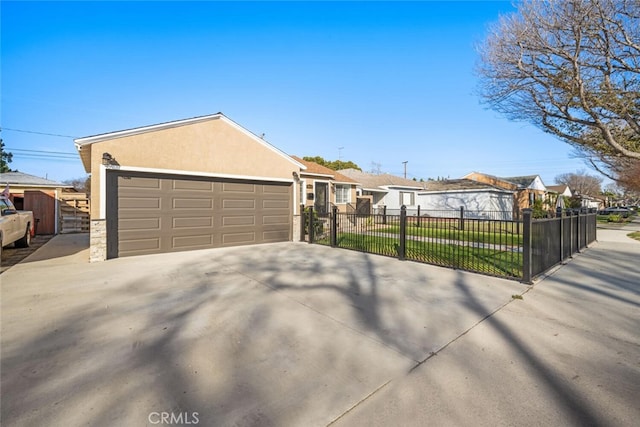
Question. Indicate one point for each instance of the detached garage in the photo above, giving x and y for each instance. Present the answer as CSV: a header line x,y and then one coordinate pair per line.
x,y
192,184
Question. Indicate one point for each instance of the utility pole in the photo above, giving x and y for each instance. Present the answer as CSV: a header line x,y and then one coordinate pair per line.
x,y
340,152
405,168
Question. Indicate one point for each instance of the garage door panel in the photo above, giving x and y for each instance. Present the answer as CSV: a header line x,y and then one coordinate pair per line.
x,y
203,241
238,203
276,189
191,185
144,223
142,245
275,219
275,204
136,202
192,203
235,187
238,220
139,182
166,213
242,238
192,222
275,236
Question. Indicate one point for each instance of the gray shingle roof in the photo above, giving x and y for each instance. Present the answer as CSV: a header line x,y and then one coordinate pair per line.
x,y
369,180
24,179
459,184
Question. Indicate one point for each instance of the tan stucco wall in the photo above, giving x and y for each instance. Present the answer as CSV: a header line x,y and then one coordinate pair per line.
x,y
212,146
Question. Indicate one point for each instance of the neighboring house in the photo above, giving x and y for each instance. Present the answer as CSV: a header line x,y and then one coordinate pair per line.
x,y
385,189
592,202
40,195
476,198
322,187
196,183
527,189
561,190
556,195
586,201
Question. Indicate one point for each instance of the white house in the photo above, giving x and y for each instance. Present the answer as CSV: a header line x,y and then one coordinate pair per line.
x,y
478,199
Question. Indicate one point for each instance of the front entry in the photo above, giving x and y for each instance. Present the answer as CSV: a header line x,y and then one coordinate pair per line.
x,y
321,203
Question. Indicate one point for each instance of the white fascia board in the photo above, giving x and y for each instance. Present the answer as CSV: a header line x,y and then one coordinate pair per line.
x,y
81,142
345,183
135,131
195,173
483,190
401,187
376,190
322,175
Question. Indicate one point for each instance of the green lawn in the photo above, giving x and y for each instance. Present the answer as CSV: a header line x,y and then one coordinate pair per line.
x,y
484,233
489,261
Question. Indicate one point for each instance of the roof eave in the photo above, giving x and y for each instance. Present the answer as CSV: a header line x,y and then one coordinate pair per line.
x,y
81,143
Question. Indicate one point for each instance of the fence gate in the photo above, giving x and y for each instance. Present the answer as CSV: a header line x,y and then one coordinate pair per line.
x,y
74,213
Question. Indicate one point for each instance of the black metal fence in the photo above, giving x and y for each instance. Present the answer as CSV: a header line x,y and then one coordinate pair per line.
x,y
461,213
554,240
513,249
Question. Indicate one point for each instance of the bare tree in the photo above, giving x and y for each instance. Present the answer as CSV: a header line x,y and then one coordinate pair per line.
x,y
581,182
570,67
82,185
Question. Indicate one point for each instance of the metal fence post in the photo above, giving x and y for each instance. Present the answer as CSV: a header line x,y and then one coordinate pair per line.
x,y
572,248
578,231
559,218
302,220
461,225
334,226
312,225
526,246
384,214
403,233
418,219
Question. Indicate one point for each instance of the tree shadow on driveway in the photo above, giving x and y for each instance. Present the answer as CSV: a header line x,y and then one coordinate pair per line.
x,y
270,335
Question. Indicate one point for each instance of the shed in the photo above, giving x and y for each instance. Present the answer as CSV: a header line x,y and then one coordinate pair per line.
x,y
40,195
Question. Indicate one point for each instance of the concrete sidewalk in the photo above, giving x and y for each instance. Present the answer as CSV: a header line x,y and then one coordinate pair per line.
x,y
567,354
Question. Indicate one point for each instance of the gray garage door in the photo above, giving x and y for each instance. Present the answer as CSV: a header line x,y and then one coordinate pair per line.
x,y
151,213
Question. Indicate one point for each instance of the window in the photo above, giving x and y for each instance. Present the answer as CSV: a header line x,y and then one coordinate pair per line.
x,y
407,198
343,193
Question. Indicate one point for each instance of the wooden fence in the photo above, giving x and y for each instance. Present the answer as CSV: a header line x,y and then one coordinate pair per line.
x,y
74,213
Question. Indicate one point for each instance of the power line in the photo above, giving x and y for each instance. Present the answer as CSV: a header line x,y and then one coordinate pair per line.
x,y
43,157
43,152
39,133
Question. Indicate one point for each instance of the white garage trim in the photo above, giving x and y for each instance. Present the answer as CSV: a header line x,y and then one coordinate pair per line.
x,y
103,181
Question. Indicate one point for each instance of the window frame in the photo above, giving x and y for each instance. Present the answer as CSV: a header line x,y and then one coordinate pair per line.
x,y
346,187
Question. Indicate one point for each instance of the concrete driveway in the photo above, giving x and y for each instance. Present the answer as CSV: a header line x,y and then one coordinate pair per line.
x,y
294,334
282,334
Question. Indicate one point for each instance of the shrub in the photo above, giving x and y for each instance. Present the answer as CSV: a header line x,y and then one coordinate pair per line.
x,y
615,218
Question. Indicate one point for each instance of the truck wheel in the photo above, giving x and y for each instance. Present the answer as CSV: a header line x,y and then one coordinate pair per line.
x,y
25,241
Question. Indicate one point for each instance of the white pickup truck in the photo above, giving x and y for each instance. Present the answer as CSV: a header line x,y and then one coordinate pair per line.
x,y
15,226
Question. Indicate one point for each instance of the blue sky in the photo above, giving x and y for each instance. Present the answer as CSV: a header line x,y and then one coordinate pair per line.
x,y
387,81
